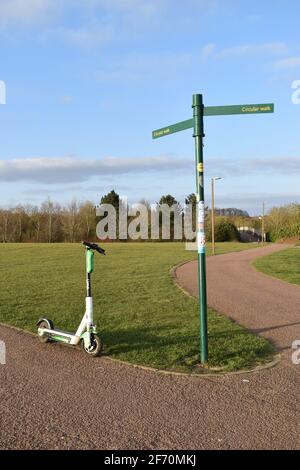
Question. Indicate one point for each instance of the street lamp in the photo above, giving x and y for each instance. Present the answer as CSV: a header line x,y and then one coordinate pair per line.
x,y
213,212
262,218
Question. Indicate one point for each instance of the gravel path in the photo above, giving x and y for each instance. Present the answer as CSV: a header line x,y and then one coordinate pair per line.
x,y
53,397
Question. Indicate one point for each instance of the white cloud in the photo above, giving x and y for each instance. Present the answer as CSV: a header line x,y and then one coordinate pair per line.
x,y
259,197
70,170
255,18
25,11
165,65
207,50
273,48
146,9
252,202
245,50
85,37
66,99
120,19
289,165
284,165
30,12
288,63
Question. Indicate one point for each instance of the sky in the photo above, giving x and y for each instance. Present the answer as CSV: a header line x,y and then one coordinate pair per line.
x,y
84,82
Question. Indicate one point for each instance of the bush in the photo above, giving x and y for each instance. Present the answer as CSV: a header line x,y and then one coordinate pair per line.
x,y
225,231
284,222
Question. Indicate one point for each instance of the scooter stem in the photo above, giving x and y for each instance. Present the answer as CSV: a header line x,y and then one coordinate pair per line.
x,y
89,270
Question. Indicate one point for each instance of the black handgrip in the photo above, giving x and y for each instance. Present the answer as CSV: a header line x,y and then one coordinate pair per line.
x,y
94,246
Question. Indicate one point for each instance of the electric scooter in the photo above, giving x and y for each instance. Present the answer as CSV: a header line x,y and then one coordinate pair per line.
x,y
87,330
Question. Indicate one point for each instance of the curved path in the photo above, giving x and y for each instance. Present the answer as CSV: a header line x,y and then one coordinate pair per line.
x,y
53,397
267,305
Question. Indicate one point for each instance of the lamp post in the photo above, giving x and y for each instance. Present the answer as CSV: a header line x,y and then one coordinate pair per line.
x,y
213,212
262,218
263,223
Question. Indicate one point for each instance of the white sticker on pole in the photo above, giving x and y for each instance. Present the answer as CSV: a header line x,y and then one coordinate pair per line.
x,y
201,216
201,242
201,228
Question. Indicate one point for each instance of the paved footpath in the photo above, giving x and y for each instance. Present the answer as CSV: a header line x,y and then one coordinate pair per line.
x,y
53,397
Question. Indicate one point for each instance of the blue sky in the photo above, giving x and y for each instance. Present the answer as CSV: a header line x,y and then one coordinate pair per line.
x,y
88,80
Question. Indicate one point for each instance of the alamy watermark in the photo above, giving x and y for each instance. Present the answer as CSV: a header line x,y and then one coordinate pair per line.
x,y
2,353
296,92
147,222
296,353
2,92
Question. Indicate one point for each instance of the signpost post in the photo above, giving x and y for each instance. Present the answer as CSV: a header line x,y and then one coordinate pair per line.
x,y
199,111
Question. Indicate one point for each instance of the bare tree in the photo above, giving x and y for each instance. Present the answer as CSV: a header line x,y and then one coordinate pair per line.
x,y
19,215
71,220
87,215
35,216
6,217
51,212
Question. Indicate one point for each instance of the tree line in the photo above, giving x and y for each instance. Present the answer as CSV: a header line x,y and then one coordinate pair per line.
x,y
52,222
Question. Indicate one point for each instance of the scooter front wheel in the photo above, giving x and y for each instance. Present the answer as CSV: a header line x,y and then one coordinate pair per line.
x,y
96,347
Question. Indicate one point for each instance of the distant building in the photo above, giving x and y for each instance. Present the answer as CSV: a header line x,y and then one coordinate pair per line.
x,y
249,234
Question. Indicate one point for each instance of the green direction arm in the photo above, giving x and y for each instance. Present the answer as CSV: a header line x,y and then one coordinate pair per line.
x,y
215,111
239,109
179,126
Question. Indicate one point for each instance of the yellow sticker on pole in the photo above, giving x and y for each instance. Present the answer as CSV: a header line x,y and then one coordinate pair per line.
x,y
200,167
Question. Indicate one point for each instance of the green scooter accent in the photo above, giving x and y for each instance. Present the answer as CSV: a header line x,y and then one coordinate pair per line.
x,y
89,261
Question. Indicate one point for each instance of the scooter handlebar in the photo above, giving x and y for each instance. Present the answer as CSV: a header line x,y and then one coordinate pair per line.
x,y
94,246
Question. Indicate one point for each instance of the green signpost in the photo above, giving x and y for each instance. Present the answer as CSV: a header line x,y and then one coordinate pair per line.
x,y
215,111
199,111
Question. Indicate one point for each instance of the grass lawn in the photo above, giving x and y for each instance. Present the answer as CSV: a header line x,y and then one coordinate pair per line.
x,y
142,316
285,265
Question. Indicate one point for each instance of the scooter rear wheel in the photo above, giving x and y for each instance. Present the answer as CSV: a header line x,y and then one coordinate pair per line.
x,y
96,347
44,339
